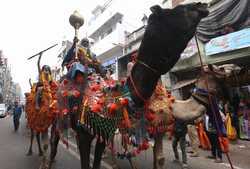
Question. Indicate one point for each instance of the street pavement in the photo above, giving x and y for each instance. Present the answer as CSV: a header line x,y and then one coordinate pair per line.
x,y
13,148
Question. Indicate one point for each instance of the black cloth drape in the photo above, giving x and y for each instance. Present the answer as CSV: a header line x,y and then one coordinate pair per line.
x,y
234,14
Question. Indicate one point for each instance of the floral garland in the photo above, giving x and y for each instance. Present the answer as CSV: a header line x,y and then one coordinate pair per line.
x,y
40,119
105,108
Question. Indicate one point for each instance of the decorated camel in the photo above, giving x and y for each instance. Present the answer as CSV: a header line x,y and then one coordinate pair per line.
x,y
41,108
29,110
97,108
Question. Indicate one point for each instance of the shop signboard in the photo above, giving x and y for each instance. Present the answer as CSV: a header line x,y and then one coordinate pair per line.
x,y
229,42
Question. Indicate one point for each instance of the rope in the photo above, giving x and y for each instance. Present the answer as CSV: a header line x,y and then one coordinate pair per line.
x,y
136,90
132,81
210,100
147,66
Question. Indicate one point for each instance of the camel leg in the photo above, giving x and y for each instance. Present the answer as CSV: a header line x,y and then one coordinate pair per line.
x,y
99,149
39,144
54,140
30,152
132,164
114,160
159,159
45,143
84,140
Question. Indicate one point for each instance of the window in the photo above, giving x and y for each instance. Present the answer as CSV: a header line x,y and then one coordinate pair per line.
x,y
109,31
102,36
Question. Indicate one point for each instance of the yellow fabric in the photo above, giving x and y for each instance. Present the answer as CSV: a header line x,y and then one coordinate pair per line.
x,y
43,79
231,132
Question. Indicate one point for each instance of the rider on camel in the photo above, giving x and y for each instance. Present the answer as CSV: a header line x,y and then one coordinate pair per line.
x,y
44,78
84,56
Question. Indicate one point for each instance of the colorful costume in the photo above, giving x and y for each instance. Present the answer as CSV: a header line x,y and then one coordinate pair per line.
x,y
41,104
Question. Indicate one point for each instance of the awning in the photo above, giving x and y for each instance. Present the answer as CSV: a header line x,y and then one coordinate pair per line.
x,y
225,16
183,83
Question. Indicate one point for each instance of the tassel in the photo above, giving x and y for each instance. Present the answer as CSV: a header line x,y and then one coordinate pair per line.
x,y
170,108
172,99
126,118
82,120
53,103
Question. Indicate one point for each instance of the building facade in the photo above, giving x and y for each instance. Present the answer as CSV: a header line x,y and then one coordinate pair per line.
x,y
110,28
188,67
231,46
106,28
8,92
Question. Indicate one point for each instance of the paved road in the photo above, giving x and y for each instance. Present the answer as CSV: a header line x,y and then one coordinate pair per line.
x,y
239,154
13,147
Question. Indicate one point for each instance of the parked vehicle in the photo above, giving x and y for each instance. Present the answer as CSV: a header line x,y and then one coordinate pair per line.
x,y
3,112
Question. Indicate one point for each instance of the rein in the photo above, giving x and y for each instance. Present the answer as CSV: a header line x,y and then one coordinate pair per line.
x,y
147,66
201,95
136,90
138,94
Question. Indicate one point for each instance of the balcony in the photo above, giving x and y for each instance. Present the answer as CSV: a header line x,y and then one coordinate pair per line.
x,y
135,36
102,22
107,42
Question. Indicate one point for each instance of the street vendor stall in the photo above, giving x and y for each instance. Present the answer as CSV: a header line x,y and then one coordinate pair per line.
x,y
240,94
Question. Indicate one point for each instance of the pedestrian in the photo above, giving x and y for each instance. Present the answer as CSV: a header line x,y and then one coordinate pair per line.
x,y
194,141
17,112
216,152
180,131
9,109
131,64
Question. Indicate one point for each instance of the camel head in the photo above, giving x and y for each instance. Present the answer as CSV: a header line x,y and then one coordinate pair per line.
x,y
213,79
168,33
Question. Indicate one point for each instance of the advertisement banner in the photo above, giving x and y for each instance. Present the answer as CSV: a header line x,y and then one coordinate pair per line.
x,y
229,42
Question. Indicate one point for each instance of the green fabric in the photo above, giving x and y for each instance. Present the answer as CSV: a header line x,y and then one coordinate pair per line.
x,y
102,126
241,126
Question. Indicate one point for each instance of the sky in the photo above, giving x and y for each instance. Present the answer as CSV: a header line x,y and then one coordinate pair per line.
x,y
29,26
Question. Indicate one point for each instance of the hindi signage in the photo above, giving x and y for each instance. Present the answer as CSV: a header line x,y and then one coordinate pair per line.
x,y
229,42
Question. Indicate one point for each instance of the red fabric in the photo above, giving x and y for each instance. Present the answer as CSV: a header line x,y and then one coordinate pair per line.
x,y
203,138
224,144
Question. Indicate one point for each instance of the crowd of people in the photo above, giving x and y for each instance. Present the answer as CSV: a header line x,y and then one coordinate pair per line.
x,y
203,133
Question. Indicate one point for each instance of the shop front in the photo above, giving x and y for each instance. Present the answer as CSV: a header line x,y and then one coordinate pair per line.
x,y
223,39
234,48
240,101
